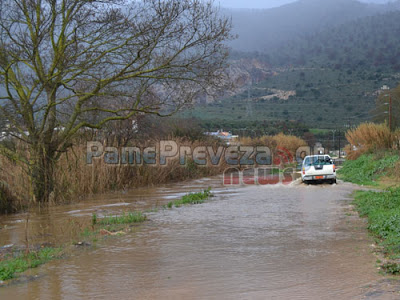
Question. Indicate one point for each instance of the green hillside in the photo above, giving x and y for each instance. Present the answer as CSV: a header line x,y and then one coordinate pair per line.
x,y
325,98
333,78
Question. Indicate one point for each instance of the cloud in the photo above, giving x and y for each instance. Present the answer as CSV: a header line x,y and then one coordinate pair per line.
x,y
252,3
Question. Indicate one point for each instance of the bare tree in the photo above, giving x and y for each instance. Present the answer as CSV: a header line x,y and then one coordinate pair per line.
x,y
69,64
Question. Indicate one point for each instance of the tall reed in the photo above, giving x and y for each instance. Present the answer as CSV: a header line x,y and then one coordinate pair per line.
x,y
370,137
75,179
281,141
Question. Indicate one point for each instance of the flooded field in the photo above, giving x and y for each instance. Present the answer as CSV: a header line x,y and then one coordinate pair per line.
x,y
256,242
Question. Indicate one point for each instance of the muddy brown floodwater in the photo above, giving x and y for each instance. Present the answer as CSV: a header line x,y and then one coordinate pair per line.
x,y
254,242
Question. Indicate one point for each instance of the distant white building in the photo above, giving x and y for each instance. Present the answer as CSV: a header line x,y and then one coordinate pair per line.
x,y
223,135
318,149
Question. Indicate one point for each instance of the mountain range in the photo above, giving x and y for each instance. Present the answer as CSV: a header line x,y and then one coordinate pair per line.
x,y
262,4
264,30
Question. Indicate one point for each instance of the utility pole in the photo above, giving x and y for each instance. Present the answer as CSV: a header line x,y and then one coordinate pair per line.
x,y
390,112
385,87
339,143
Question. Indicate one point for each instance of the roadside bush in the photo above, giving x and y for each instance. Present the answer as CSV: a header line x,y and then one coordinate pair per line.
x,y
367,138
289,142
280,141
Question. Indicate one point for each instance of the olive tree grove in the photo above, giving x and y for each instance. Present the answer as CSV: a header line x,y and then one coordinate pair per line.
x,y
72,64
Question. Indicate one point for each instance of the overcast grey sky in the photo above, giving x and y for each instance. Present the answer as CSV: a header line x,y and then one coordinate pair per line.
x,y
252,3
266,3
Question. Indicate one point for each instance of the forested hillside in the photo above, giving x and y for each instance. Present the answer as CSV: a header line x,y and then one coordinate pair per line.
x,y
371,42
264,30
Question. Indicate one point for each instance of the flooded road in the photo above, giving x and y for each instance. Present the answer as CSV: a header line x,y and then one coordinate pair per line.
x,y
255,242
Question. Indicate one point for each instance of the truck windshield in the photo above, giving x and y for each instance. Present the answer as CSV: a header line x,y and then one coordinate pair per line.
x,y
318,160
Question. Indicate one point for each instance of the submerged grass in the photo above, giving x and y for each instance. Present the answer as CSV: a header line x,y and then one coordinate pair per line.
x,y
191,198
125,218
382,209
20,262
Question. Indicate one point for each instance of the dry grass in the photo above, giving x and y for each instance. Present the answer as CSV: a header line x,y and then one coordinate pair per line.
x,y
75,179
280,142
14,186
368,138
289,142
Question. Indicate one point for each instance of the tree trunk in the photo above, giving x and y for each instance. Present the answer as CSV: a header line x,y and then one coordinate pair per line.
x,y
42,173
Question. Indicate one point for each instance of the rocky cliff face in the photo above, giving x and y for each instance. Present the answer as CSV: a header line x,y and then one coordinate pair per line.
x,y
249,71
241,73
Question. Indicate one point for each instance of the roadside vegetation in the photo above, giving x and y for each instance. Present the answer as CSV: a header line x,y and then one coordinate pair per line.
x,y
289,143
374,161
382,209
74,179
369,168
371,138
372,155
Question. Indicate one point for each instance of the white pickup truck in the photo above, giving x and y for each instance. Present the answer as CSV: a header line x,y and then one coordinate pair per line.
x,y
318,168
